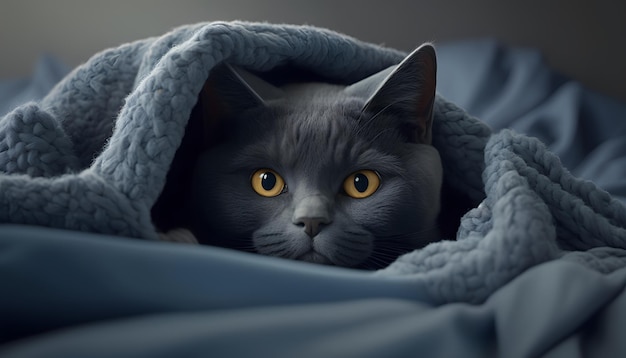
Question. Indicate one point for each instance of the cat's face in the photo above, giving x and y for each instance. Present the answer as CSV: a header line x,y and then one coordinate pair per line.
x,y
321,174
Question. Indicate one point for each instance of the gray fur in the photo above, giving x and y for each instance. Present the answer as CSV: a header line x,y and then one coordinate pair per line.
x,y
314,136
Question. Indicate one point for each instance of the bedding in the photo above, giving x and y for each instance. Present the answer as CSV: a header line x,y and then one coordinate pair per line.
x,y
537,268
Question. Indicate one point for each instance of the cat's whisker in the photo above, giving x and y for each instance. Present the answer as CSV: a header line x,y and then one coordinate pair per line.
x,y
353,241
270,244
354,249
270,234
393,253
342,258
413,234
378,135
374,263
382,257
244,246
276,252
280,247
389,248
363,126
377,113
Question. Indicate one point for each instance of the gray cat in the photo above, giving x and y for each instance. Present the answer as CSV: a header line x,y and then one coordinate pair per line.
x,y
318,172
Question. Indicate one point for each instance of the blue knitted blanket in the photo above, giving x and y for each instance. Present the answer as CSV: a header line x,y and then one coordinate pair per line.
x,y
93,156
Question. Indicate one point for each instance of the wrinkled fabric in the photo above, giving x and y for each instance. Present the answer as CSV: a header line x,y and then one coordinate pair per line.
x,y
75,294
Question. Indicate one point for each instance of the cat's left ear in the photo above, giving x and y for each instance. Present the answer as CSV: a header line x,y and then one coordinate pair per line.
x,y
406,91
229,90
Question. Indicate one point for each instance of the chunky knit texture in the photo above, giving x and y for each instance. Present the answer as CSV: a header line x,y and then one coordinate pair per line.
x,y
93,156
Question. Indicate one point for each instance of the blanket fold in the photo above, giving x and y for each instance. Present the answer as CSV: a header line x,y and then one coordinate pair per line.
x,y
94,154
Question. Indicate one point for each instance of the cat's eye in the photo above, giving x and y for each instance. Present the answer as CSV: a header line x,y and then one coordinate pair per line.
x,y
361,184
267,183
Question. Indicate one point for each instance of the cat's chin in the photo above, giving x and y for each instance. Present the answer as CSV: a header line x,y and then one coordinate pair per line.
x,y
315,257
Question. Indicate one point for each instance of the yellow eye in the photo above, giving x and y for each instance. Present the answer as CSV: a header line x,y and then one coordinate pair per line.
x,y
267,182
361,184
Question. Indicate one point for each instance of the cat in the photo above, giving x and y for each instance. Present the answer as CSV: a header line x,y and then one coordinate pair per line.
x,y
326,173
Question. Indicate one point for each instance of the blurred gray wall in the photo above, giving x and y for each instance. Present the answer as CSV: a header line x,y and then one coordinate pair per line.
x,y
583,39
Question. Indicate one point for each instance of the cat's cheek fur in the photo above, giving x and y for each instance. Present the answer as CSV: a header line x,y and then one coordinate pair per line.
x,y
342,243
383,214
243,212
405,209
423,164
224,209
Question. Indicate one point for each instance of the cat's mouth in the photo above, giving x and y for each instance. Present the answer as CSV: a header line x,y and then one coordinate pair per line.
x,y
315,257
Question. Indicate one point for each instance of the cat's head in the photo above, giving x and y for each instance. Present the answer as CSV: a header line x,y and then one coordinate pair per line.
x,y
341,175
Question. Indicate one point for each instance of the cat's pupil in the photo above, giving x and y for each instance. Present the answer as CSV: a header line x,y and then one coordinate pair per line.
x,y
361,182
268,181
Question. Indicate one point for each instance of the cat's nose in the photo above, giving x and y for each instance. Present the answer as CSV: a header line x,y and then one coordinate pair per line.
x,y
312,226
312,212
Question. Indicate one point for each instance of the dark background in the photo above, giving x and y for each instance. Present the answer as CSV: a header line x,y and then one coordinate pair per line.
x,y
582,39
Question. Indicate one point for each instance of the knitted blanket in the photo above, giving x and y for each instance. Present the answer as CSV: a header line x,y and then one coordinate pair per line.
x,y
94,154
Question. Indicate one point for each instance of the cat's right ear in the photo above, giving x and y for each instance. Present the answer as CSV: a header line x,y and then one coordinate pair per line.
x,y
230,90
406,90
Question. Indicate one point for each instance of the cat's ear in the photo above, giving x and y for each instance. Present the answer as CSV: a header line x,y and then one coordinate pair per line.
x,y
406,91
230,88
228,91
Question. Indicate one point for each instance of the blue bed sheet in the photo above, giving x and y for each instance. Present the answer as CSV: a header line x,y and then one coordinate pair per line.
x,y
86,295
512,87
